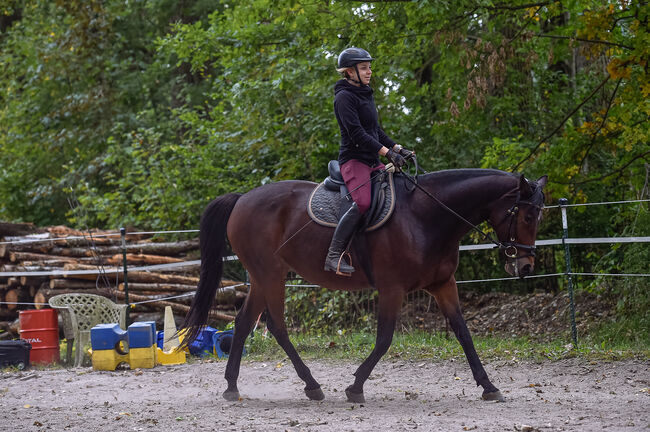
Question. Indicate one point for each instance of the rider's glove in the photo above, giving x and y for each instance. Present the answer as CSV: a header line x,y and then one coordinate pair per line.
x,y
396,159
406,154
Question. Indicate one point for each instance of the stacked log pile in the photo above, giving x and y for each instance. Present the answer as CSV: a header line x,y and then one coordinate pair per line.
x,y
25,249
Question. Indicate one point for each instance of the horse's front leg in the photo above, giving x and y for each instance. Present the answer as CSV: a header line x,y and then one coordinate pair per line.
x,y
447,299
390,304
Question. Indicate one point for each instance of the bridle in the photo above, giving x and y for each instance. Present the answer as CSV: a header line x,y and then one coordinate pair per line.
x,y
510,247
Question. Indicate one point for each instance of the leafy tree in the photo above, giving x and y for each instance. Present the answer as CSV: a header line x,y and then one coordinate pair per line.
x,y
144,111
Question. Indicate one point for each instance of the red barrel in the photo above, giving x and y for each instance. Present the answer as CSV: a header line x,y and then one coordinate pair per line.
x,y
41,329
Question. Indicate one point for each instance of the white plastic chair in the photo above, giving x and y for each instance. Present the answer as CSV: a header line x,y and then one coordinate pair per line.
x,y
80,313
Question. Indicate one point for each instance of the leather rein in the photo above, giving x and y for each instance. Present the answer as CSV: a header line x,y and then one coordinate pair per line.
x,y
511,247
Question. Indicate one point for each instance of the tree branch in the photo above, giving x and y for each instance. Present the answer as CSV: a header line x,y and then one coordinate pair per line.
x,y
593,136
518,7
573,111
604,176
528,21
594,41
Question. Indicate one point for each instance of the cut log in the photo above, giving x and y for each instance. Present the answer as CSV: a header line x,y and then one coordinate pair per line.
x,y
32,280
142,259
30,256
24,247
157,287
17,295
135,276
7,326
182,309
170,248
43,295
72,284
27,268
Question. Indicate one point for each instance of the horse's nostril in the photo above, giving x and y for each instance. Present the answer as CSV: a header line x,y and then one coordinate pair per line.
x,y
526,270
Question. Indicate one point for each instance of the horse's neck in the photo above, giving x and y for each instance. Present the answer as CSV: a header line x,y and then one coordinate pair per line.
x,y
471,193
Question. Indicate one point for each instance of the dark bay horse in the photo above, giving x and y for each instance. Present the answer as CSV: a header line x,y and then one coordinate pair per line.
x,y
271,233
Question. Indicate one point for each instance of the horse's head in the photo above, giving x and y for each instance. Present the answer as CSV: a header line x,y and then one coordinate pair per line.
x,y
516,225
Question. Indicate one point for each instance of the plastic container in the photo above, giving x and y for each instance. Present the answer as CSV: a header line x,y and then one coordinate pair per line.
x,y
221,342
15,353
108,337
202,345
41,329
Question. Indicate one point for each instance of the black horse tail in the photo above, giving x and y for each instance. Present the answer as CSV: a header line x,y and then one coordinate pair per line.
x,y
212,241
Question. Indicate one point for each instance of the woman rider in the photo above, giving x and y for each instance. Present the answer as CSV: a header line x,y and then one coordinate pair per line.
x,y
362,142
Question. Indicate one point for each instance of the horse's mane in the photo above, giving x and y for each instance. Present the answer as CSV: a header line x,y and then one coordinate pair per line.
x,y
455,175
448,176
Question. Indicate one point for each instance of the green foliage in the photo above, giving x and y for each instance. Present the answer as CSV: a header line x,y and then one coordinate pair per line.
x,y
144,111
322,311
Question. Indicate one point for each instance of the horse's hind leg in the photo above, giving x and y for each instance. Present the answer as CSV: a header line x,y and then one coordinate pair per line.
x,y
390,304
253,307
278,328
447,299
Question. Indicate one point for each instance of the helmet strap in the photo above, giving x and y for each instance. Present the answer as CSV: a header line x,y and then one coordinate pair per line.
x,y
349,78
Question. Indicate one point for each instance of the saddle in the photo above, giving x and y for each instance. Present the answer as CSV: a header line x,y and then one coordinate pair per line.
x,y
331,199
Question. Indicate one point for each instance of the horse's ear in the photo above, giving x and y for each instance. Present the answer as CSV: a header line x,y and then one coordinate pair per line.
x,y
524,187
541,182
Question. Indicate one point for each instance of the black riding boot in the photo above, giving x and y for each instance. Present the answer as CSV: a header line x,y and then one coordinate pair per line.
x,y
342,235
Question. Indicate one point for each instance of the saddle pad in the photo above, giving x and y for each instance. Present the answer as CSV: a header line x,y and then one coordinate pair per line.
x,y
324,206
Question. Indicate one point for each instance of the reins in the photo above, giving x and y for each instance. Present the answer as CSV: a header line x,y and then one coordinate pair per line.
x,y
452,211
510,248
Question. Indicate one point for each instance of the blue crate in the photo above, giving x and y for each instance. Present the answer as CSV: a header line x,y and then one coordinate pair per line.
x,y
142,334
107,337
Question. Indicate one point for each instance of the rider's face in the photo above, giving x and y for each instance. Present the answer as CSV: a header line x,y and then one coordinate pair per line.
x,y
365,72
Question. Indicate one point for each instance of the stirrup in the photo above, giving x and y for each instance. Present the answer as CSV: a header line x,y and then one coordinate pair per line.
x,y
338,266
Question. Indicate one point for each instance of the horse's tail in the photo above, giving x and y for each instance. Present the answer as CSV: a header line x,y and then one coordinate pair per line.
x,y
212,241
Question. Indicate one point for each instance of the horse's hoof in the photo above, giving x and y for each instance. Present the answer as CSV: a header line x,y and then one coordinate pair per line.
x,y
231,395
315,394
493,396
355,397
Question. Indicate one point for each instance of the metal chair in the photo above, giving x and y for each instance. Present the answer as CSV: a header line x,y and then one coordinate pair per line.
x,y
80,313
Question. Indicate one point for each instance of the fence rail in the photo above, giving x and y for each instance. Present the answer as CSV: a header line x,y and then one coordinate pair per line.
x,y
565,241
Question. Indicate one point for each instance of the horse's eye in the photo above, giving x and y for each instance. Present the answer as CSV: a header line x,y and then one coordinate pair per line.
x,y
528,218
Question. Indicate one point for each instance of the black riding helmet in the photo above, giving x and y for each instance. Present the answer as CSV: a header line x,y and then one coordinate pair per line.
x,y
351,57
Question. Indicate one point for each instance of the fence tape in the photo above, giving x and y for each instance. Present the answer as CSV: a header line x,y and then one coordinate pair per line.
x,y
45,237
196,263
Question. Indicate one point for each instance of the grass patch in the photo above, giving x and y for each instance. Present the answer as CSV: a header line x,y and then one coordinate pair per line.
x,y
419,345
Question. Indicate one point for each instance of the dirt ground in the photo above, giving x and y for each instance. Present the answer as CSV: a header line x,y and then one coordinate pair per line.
x,y
568,395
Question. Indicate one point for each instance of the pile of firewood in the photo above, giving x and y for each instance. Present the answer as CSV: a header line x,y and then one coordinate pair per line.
x,y
25,249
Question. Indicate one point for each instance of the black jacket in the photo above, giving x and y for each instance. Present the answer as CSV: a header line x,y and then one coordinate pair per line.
x,y
361,136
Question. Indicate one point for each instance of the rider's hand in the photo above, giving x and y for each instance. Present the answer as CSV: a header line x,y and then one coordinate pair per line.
x,y
396,159
406,154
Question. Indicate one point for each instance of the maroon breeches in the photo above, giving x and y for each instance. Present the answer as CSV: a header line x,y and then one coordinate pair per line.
x,y
357,179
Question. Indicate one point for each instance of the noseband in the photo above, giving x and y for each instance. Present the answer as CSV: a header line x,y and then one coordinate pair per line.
x,y
511,247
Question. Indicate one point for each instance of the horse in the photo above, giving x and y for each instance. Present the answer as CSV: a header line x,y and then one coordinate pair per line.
x,y
271,232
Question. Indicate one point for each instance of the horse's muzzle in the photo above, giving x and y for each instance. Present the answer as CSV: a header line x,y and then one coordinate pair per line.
x,y
520,267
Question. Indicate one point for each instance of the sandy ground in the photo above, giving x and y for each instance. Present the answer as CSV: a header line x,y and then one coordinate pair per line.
x,y
568,395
